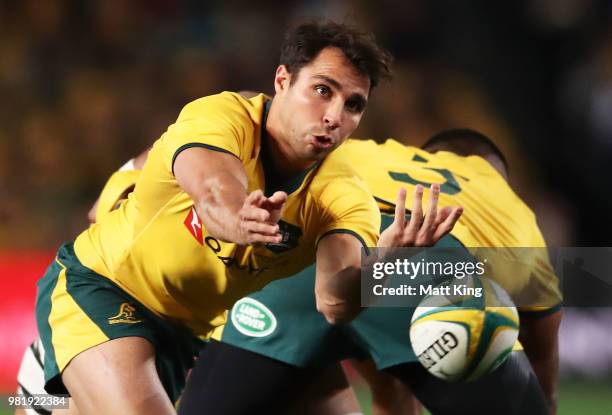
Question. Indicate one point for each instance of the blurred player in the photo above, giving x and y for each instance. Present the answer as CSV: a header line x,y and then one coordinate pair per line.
x,y
269,370
119,311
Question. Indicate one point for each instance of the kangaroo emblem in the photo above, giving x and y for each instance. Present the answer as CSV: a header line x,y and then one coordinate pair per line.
x,y
125,315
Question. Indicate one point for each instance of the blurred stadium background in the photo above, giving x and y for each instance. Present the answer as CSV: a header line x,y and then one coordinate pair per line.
x,y
86,85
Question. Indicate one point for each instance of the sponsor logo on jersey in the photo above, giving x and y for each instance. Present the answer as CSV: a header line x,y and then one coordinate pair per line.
x,y
125,315
230,261
194,225
252,318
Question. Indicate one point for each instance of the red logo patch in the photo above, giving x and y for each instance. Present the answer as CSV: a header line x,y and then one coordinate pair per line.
x,y
194,225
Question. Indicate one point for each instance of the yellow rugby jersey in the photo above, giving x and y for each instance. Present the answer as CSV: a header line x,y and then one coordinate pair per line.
x,y
157,249
494,216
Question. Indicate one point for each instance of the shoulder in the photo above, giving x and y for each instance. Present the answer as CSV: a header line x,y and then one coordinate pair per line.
x,y
338,183
337,166
353,149
226,106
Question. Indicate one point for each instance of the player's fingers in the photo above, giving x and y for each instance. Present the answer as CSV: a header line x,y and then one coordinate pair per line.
x,y
275,205
256,238
261,228
277,199
252,213
400,208
255,198
432,207
416,216
443,214
448,224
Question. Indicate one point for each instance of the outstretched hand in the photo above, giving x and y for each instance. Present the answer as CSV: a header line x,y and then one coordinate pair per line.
x,y
421,230
258,218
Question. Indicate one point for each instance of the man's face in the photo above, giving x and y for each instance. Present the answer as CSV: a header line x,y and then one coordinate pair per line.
x,y
322,107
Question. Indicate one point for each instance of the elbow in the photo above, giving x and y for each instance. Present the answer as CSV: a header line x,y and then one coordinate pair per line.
x,y
334,318
337,308
337,313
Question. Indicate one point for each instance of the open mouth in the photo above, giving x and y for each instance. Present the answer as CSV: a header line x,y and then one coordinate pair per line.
x,y
323,141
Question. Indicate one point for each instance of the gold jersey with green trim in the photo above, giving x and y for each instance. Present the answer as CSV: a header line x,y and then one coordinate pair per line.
x,y
493,217
156,248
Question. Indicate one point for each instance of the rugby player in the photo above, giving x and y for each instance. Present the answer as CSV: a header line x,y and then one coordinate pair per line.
x,y
387,392
122,310
266,370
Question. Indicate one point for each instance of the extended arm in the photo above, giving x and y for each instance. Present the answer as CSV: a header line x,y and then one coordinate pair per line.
x,y
217,183
337,285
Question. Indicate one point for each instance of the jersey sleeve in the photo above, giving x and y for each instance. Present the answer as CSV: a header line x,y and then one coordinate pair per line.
x,y
218,122
348,207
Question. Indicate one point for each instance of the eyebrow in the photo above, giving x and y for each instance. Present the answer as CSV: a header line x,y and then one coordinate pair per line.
x,y
329,80
356,96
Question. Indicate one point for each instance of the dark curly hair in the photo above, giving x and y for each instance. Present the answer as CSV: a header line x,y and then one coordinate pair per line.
x,y
304,42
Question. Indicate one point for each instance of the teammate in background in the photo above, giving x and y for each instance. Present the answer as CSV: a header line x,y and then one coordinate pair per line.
x,y
119,311
267,370
118,187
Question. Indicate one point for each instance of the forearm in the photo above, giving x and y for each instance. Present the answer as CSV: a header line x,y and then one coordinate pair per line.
x,y
219,205
338,296
217,184
338,281
339,265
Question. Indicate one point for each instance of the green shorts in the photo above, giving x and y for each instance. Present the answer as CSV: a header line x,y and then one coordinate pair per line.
x,y
281,322
77,309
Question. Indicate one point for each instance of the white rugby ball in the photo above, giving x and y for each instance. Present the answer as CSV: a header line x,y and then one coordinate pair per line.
x,y
461,338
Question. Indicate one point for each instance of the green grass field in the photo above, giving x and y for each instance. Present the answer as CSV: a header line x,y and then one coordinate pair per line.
x,y
575,398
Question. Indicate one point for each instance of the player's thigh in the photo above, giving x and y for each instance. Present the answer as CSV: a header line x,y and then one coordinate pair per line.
x,y
512,389
31,381
80,312
329,393
389,395
118,376
72,409
232,381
